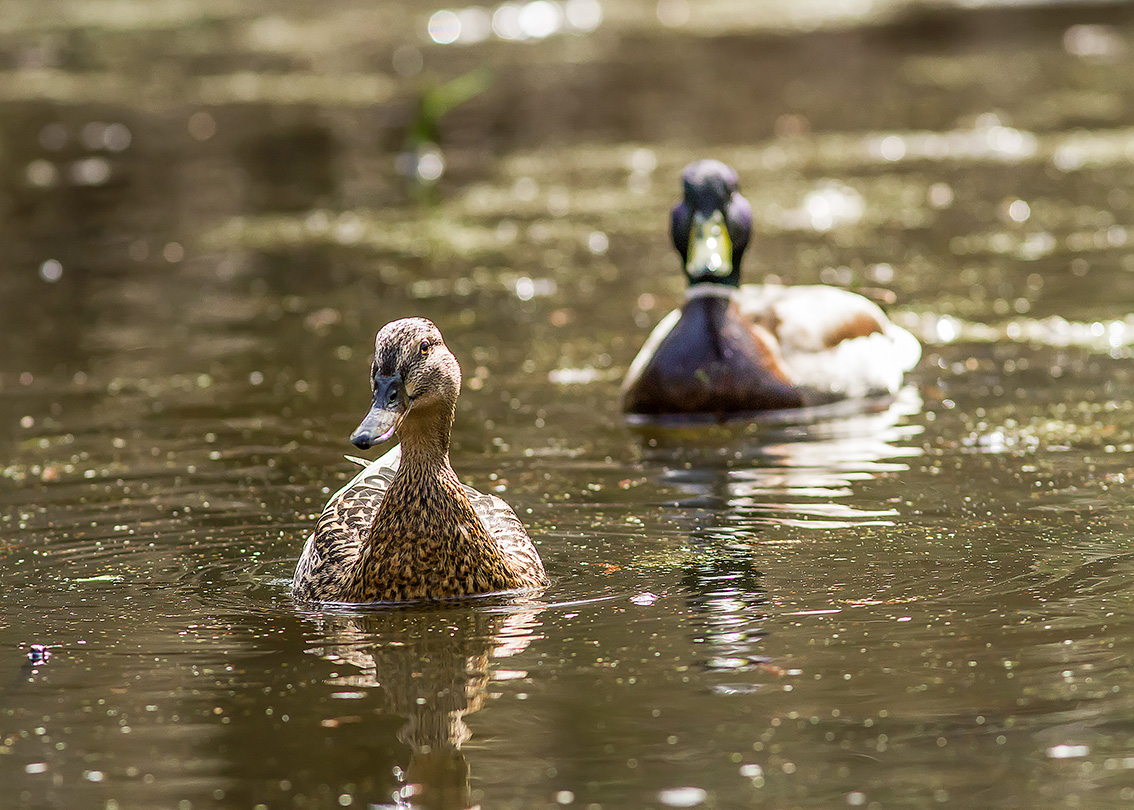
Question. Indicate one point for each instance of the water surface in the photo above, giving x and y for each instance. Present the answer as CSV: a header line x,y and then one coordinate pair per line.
x,y
204,224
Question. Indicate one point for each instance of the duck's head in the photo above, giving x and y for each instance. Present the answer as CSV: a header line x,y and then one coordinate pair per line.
x,y
711,224
413,370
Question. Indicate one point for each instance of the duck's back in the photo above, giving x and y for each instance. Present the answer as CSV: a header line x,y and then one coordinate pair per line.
x,y
835,344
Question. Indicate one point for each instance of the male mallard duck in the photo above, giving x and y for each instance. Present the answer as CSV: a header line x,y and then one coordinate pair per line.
x,y
405,527
732,349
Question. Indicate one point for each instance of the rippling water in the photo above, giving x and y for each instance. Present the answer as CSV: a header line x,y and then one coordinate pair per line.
x,y
209,208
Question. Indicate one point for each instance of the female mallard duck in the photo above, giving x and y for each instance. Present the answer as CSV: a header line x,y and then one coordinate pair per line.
x,y
732,349
405,527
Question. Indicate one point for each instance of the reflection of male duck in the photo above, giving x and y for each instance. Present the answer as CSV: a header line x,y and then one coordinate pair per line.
x,y
433,668
733,349
727,601
787,474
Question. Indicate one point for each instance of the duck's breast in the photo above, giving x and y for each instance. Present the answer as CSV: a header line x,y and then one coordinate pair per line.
x,y
711,360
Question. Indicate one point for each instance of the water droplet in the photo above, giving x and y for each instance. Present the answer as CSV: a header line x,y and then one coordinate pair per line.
x,y
506,22
92,134
583,15
42,173
476,25
643,160
892,147
444,27
1068,751
940,195
116,137
349,229
525,189
1019,211
673,13
51,270
682,796
1093,41
92,171
430,164
540,18
202,126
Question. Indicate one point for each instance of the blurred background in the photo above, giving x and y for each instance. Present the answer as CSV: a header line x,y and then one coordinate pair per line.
x,y
208,208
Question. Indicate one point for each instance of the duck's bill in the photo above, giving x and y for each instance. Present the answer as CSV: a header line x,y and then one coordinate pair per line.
x,y
377,426
389,408
710,248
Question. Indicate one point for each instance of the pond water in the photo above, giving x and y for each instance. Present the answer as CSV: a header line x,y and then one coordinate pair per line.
x,y
204,224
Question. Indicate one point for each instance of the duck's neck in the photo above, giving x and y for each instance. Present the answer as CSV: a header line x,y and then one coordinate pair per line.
x,y
425,484
424,437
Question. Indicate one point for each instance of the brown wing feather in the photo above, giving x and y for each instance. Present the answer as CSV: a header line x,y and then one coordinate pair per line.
x,y
505,527
811,318
835,343
334,546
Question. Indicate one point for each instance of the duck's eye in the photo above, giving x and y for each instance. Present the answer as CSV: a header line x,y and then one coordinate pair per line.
x,y
425,346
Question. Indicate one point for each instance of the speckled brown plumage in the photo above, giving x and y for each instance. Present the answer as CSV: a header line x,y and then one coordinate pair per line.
x,y
405,527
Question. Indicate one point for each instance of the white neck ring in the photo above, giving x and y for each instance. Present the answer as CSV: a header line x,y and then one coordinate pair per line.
x,y
710,289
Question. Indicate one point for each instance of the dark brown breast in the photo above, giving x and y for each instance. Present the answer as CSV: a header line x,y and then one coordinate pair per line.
x,y
712,361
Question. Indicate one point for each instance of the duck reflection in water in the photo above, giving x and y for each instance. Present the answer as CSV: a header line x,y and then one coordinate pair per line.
x,y
726,599
784,473
733,482
434,668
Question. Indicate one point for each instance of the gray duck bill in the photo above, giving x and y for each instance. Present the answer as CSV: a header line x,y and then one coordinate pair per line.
x,y
385,415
